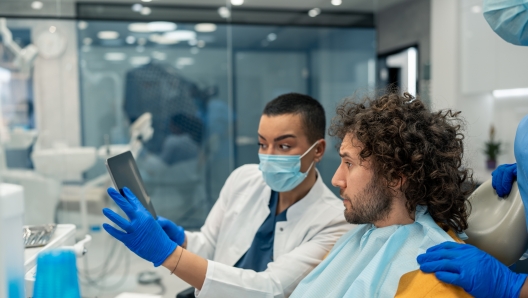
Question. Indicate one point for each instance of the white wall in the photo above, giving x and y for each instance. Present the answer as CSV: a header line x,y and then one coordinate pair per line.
x,y
455,62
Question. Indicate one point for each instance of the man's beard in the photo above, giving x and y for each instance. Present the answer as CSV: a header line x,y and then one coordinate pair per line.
x,y
371,205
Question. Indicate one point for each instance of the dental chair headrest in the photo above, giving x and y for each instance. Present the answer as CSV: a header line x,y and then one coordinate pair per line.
x,y
497,225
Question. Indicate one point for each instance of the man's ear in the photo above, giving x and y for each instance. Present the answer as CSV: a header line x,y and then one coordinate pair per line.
x,y
319,150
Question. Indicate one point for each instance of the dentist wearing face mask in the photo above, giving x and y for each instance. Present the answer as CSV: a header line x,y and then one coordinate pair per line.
x,y
271,225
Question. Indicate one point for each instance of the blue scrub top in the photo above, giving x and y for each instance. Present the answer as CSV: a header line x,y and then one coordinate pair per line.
x,y
260,253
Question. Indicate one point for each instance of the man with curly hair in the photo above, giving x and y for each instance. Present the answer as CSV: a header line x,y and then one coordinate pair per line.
x,y
401,180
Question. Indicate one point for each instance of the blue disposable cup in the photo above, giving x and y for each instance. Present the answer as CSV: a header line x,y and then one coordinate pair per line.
x,y
56,275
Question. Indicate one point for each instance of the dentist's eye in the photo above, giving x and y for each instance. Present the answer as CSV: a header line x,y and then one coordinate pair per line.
x,y
262,146
285,147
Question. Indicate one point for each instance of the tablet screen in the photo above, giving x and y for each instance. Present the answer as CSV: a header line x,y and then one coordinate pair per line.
x,y
124,173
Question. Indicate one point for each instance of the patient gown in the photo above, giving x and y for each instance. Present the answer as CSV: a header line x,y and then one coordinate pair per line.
x,y
370,262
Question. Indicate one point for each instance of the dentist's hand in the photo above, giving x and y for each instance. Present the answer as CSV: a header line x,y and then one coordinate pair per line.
x,y
466,266
174,231
502,179
142,233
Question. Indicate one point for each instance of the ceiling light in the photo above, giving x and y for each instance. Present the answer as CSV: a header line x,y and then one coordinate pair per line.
x,y
224,12
117,56
205,27
145,11
476,9
161,26
200,44
272,36
152,27
314,12
139,60
82,25
107,34
52,29
160,39
180,35
336,2
173,37
137,7
130,39
139,27
37,5
510,92
237,2
146,0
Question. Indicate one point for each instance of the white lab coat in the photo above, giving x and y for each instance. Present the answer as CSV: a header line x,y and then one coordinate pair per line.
x,y
312,227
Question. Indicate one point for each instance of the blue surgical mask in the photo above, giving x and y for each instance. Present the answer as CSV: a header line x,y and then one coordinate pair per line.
x,y
509,19
283,172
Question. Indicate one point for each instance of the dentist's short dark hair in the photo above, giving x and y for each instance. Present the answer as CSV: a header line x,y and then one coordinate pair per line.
x,y
311,111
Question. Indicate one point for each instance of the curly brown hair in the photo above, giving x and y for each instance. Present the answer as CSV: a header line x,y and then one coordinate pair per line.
x,y
405,139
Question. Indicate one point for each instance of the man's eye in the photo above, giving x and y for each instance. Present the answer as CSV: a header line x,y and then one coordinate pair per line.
x,y
348,164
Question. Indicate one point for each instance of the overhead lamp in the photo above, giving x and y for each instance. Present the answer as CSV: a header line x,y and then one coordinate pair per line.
x,y
476,9
152,27
173,37
510,92
237,2
107,34
115,56
161,26
137,7
180,35
139,60
52,29
130,39
337,2
205,27
224,12
272,36
314,12
37,5
82,25
200,44
145,11
146,0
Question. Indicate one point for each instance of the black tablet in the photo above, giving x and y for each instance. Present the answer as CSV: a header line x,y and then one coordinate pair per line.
x,y
125,173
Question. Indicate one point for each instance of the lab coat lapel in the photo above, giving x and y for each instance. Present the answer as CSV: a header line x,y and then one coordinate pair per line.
x,y
297,212
251,217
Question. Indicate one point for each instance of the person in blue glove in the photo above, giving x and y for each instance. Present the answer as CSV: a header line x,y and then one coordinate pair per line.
x,y
474,270
271,225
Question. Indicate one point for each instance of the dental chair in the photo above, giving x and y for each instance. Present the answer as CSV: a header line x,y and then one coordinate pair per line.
x,y
498,225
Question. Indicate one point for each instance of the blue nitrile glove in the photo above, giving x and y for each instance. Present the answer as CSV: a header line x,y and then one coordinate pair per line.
x,y
174,231
466,266
143,235
520,148
503,177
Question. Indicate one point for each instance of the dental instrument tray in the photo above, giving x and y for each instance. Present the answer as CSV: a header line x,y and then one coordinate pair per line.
x,y
35,236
